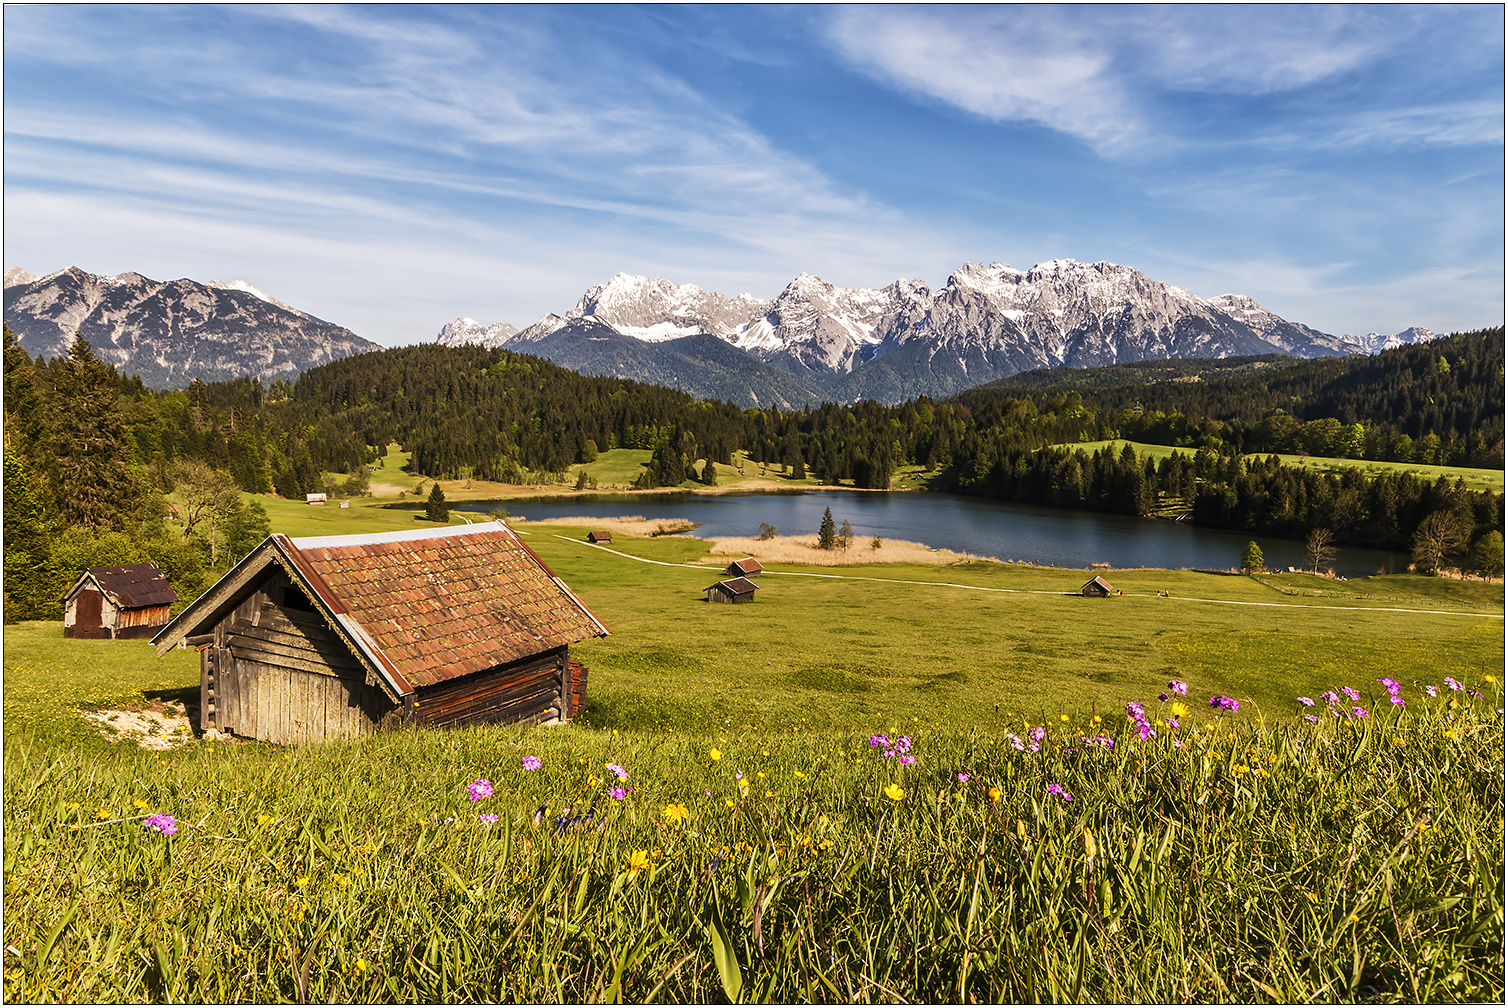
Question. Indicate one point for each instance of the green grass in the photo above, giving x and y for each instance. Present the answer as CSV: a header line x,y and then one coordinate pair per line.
x,y
1262,859
1475,479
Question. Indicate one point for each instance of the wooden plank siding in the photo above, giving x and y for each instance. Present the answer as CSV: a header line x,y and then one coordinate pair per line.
x,y
523,691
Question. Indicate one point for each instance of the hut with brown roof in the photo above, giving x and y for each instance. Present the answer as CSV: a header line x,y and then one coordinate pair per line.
x,y
735,590
599,537
1097,587
118,602
747,567
337,636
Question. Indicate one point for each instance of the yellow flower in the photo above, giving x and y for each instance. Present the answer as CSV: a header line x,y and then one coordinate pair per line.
x,y
728,802
1398,740
71,806
715,754
760,775
139,803
743,786
341,881
301,881
675,814
1063,718
994,794
361,966
637,862
1096,719
592,781
1178,709
769,794
764,752
102,814
263,819
894,792
799,774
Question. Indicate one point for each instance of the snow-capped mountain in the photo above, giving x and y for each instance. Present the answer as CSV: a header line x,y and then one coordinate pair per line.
x,y
986,322
171,333
1374,343
461,331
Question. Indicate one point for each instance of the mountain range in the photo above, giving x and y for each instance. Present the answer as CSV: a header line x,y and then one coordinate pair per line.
x,y
816,341
172,333
813,342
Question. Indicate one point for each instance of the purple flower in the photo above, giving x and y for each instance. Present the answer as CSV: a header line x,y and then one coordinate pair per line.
x,y
618,794
1432,691
479,789
1225,703
488,817
1034,747
1306,701
1311,718
1453,684
1015,742
1173,723
1144,731
907,760
1475,693
532,763
1037,734
1358,711
1398,700
617,771
164,824
963,778
1179,686
1057,789
1135,712
875,741
1391,685
1348,691
1330,697
1163,697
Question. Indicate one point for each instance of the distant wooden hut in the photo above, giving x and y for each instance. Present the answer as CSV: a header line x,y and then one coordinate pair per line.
x,y
747,567
118,602
734,590
314,498
599,537
1097,587
337,636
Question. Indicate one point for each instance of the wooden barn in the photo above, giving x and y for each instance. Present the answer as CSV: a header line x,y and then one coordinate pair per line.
x,y
599,537
118,602
734,590
747,567
1097,587
336,636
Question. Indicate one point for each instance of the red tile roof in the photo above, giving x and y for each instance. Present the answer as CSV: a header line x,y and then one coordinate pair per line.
x,y
136,586
443,603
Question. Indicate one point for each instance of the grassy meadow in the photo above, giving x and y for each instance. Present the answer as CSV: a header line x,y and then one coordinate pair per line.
x,y
880,782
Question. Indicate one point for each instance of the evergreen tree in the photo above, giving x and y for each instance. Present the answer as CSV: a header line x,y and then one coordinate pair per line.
x,y
30,591
437,510
827,532
1251,560
709,474
242,529
92,483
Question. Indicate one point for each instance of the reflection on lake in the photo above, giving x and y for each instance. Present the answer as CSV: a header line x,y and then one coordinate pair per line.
x,y
963,524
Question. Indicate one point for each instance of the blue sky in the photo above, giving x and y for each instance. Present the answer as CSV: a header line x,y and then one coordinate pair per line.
x,y
390,168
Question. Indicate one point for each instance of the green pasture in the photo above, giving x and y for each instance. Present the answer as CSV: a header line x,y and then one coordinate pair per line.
x,y
1475,479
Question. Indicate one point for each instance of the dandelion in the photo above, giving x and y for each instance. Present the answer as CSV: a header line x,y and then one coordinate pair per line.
x,y
714,754
532,763
263,819
616,770
994,793
139,803
637,862
1179,686
1063,718
488,817
164,824
1177,710
894,792
676,814
479,789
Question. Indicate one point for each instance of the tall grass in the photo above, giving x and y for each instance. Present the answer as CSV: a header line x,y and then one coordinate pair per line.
x,y
1359,859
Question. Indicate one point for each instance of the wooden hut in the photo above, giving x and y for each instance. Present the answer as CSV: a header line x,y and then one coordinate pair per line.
x,y
733,590
337,636
599,537
118,602
747,567
1097,587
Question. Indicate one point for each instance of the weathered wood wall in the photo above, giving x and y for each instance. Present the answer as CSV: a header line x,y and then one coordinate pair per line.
x,y
523,692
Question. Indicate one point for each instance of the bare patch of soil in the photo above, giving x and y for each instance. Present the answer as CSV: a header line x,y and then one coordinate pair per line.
x,y
156,724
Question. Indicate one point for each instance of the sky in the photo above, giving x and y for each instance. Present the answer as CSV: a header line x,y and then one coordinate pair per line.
x,y
390,168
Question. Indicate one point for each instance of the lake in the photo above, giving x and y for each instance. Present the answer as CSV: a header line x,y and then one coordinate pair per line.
x,y
963,524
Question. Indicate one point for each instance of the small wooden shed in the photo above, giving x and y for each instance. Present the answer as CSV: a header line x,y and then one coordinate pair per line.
x,y
599,537
747,567
118,602
1097,587
735,590
337,636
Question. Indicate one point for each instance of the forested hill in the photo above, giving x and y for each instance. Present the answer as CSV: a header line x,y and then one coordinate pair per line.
x,y
1448,392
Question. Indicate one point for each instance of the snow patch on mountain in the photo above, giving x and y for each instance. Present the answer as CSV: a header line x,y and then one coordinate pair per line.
x,y
463,331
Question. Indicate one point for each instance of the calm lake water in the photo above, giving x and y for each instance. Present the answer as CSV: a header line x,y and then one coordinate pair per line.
x,y
967,525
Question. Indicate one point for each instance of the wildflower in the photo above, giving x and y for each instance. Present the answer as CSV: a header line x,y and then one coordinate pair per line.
x,y
714,754
71,806
1432,691
1225,703
1063,718
1391,685
139,803
1311,718
616,771
532,763
875,741
1179,686
1398,700
1135,712
1455,685
1058,789
1348,691
994,794
1016,743
1398,740
676,814
479,789
343,881
301,881
904,761
1163,697
263,819
164,824
637,862
728,802
488,817
963,778
618,793
1359,712
1178,710
1037,734
1330,697
361,966
1306,701
894,792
